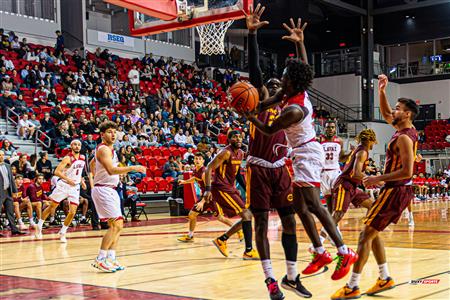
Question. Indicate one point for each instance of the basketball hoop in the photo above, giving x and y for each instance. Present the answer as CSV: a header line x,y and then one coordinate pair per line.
x,y
212,37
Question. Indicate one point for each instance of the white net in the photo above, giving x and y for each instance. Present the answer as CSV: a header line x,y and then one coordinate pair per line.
x,y
212,37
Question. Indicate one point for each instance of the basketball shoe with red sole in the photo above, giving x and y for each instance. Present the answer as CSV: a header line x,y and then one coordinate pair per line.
x,y
345,262
318,262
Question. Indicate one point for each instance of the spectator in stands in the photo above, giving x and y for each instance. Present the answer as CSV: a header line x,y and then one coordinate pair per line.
x,y
8,64
171,169
135,175
9,150
7,85
37,195
89,144
59,47
63,137
180,138
133,76
23,166
189,156
20,106
7,190
203,146
25,128
44,166
34,121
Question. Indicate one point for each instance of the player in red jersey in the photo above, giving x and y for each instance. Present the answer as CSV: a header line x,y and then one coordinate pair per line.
x,y
222,190
268,179
199,177
345,189
395,194
21,202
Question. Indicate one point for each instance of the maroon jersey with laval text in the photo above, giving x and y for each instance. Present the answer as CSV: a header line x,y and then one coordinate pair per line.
x,y
198,175
260,145
21,193
347,172
225,174
394,160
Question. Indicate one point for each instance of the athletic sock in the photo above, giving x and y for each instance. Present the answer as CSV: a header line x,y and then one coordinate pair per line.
x,y
40,223
101,254
32,222
289,242
224,237
191,234
343,249
111,254
52,218
20,221
291,270
411,217
64,229
322,239
247,229
354,280
384,272
267,268
320,249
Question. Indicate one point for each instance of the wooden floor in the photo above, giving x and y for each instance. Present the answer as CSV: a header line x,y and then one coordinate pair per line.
x,y
159,267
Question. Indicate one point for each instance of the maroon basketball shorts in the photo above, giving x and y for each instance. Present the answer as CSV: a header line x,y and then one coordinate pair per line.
x,y
268,187
209,206
228,201
389,206
344,193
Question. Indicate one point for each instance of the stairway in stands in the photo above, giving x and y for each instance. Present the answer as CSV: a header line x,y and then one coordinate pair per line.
x,y
23,146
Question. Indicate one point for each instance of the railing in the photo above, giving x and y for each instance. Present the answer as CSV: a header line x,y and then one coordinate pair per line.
x,y
343,111
192,114
211,126
38,132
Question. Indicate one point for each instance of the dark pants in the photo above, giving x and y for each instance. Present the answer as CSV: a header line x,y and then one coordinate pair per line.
x,y
9,209
128,202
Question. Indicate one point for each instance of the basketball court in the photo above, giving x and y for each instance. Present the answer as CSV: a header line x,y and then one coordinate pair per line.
x,y
159,267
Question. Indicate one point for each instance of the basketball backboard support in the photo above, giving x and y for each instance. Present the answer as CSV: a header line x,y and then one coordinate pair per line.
x,y
200,12
161,9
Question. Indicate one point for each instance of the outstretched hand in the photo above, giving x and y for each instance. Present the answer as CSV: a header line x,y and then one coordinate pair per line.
x,y
253,18
382,82
295,31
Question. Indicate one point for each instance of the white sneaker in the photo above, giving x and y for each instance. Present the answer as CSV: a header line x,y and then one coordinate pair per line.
x,y
62,238
38,233
411,222
103,265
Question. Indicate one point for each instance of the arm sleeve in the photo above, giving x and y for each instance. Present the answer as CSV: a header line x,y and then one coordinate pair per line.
x,y
256,77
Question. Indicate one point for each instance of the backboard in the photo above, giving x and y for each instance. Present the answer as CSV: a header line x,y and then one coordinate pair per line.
x,y
202,12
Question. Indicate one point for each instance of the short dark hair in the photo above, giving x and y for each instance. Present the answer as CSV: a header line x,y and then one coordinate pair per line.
x,y
39,175
329,121
107,125
299,73
18,176
411,106
233,132
200,154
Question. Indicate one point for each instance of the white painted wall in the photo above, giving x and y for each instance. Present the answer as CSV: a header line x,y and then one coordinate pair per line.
x,y
430,92
98,21
384,133
344,88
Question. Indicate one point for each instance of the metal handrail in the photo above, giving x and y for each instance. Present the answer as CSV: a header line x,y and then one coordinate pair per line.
x,y
209,125
38,131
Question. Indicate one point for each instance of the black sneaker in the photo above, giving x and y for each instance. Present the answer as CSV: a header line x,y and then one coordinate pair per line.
x,y
295,286
84,222
53,223
274,291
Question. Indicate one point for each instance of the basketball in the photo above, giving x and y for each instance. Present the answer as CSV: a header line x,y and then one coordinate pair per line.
x,y
244,96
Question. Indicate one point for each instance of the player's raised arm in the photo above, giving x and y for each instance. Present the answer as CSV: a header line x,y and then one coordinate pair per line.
x,y
297,37
60,171
222,157
289,116
385,107
253,21
104,156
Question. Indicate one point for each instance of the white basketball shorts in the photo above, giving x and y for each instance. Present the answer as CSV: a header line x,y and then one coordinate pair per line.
x,y
66,191
107,203
307,162
329,177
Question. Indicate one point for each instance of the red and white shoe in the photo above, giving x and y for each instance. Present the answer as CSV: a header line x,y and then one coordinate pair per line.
x,y
318,262
345,262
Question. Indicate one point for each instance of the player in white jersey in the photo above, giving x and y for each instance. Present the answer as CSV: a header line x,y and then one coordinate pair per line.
x,y
106,172
308,160
67,187
334,153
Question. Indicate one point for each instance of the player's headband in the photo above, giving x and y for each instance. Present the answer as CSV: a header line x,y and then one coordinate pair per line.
x,y
232,133
74,141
